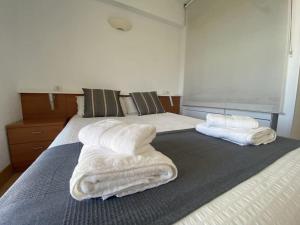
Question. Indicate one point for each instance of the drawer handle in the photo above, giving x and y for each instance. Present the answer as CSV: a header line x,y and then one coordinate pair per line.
x,y
36,132
37,148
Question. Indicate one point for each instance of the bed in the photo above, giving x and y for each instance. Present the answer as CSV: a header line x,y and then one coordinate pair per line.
x,y
270,196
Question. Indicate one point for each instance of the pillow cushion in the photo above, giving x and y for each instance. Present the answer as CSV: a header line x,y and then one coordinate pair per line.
x,y
123,102
147,103
129,105
123,105
80,105
101,103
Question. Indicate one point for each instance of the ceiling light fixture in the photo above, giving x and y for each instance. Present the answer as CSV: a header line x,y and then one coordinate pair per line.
x,y
119,23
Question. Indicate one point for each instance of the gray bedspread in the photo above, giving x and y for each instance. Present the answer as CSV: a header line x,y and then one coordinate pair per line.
x,y
207,168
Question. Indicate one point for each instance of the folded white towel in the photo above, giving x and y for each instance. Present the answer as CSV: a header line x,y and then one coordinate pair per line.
x,y
118,136
104,173
217,120
258,136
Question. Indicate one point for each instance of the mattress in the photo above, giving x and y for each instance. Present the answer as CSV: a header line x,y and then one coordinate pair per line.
x,y
41,195
270,197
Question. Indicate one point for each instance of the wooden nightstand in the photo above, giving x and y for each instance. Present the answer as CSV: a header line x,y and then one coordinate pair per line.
x,y
28,139
166,102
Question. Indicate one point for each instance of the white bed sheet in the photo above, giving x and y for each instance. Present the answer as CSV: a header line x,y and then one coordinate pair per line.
x,y
162,122
272,197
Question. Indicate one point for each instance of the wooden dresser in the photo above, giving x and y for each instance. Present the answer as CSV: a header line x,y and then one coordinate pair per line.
x,y
28,139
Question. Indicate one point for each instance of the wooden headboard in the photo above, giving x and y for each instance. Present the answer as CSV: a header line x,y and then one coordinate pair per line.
x,y
37,105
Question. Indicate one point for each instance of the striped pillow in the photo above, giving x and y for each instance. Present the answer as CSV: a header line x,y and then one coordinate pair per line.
x,y
101,103
147,103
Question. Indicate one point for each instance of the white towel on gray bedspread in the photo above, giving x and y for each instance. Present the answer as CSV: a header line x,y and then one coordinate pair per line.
x,y
231,121
118,136
258,136
104,173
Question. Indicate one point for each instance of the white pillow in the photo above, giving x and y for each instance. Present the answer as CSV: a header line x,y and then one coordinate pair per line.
x,y
123,105
130,106
124,101
80,105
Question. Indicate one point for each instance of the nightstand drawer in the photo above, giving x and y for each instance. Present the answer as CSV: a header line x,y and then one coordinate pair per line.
x,y
33,134
22,155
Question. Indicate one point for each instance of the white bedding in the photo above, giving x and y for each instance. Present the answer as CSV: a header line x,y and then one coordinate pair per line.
x,y
162,122
269,198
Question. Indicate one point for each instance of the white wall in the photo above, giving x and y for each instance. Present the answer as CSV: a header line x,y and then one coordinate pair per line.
x,y
9,100
289,122
69,43
295,128
286,120
234,48
170,10
10,111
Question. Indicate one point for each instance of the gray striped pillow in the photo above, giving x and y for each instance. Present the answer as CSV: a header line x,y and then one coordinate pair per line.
x,y
147,103
101,103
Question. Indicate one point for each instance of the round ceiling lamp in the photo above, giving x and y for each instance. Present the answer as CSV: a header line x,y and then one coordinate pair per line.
x,y
119,23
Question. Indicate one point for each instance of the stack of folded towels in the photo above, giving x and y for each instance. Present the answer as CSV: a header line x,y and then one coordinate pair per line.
x,y
117,160
240,130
